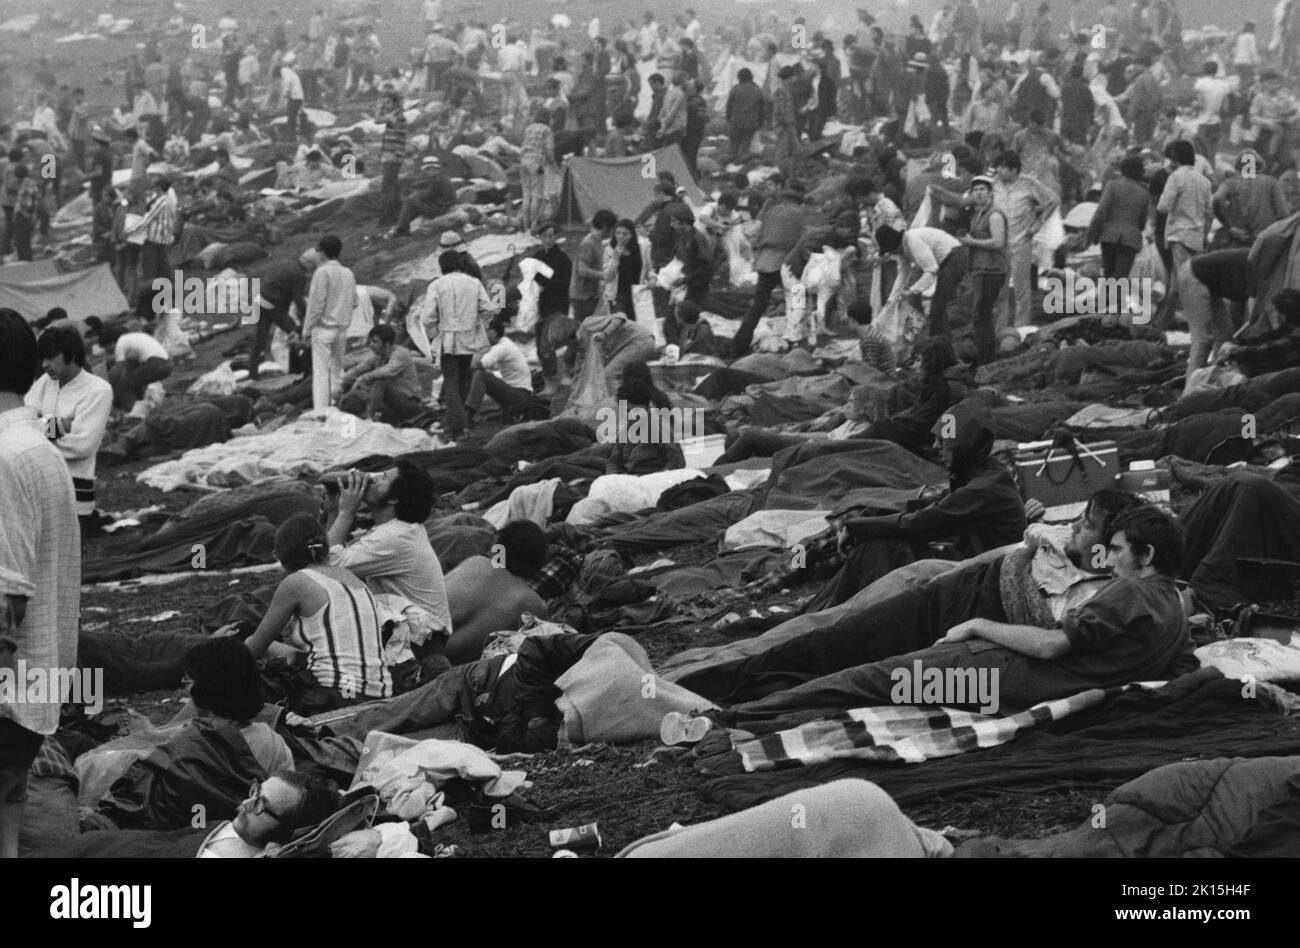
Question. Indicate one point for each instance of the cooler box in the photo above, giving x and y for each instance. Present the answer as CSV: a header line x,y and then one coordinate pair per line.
x,y
1147,481
1066,475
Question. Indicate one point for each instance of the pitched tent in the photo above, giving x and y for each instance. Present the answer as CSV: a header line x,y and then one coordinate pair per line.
x,y
33,289
624,185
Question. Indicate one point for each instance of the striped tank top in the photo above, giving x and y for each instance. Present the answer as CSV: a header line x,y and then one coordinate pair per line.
x,y
343,641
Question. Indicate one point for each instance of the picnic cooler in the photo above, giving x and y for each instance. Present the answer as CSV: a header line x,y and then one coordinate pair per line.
x,y
1065,471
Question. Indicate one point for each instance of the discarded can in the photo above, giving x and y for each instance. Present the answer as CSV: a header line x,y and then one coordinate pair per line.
x,y
577,837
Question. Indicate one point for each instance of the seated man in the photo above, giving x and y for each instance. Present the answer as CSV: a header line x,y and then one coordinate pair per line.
x,y
1133,629
386,386
395,556
433,197
487,596
696,334
1055,569
501,373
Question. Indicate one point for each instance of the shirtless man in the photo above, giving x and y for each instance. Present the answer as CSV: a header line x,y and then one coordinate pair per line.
x,y
489,595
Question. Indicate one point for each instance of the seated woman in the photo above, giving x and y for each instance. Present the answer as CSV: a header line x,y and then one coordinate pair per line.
x,y
621,339
939,391
329,614
641,447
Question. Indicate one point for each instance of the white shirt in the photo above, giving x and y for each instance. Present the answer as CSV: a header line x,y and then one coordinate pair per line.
x,y
292,84
396,557
506,361
927,248
1247,53
81,407
692,31
138,347
513,57
647,39
225,843
1213,91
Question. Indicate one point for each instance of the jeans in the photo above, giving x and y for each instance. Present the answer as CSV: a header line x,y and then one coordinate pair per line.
x,y
1117,260
767,282
24,228
988,286
413,208
382,400
1020,256
1208,320
485,384
153,266
327,348
947,282
267,319
295,106
390,197
456,380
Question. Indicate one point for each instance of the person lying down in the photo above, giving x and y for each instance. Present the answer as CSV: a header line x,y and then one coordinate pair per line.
x,y
1133,629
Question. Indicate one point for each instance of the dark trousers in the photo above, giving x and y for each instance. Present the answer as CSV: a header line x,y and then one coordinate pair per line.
x,y
584,308
23,229
485,384
866,563
131,379
742,139
758,443
153,266
767,282
545,347
382,400
913,619
947,282
267,319
8,245
455,390
295,106
1117,259
412,208
390,198
988,286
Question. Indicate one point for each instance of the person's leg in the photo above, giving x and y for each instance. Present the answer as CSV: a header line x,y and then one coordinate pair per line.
x,y
1021,259
454,418
1108,259
268,318
545,348
322,349
504,395
758,443
390,201
7,246
1123,261
477,392
1195,297
18,748
24,227
338,349
948,281
987,288
392,406
427,706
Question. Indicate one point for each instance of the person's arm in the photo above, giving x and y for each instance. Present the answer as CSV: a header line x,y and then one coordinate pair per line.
x,y
82,439
1169,196
397,364
315,302
485,304
918,250
590,272
1047,205
353,375
962,510
283,606
1219,203
1049,644
1101,215
350,493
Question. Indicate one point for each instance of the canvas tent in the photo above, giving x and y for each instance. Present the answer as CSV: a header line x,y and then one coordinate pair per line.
x,y
624,185
35,288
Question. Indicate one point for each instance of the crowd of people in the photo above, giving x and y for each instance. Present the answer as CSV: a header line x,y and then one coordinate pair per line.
x,y
943,174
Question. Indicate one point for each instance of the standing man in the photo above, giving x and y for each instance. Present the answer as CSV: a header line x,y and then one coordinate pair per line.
x,y
74,406
672,116
159,228
101,165
780,227
79,128
1188,201
987,242
291,86
553,300
513,62
1027,204
745,112
393,116
40,571
589,267
330,301
1211,97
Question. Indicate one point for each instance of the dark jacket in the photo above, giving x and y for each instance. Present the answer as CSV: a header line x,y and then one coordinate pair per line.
x,y
1121,217
746,107
554,297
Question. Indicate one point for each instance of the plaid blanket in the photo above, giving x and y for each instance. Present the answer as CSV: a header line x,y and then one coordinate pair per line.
x,y
904,733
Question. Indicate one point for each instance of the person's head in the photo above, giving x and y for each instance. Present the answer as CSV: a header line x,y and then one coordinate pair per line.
x,y
888,239
1133,168
862,189
276,808
21,172
406,488
381,340
625,233
683,219
637,385
1181,152
225,681
1087,544
1036,117
657,81
62,352
431,166
547,233
981,190
1287,304
1007,166
1249,27
1144,541
330,246
1211,68
937,356
496,329
524,544
19,359
744,75
301,542
603,222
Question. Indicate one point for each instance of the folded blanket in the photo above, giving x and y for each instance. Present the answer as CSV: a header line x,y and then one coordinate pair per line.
x,y
1021,598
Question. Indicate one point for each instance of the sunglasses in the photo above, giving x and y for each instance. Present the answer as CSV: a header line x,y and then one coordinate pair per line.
x,y
260,805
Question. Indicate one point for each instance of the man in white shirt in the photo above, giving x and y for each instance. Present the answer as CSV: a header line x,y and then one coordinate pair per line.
x,y
40,572
692,29
330,301
1246,57
135,361
1211,94
395,556
647,39
513,61
291,86
501,373
74,406
940,257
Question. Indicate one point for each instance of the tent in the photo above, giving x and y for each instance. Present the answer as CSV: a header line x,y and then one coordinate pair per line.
x,y
624,185
35,288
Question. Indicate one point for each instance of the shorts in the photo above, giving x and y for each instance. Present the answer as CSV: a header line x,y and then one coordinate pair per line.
x,y
18,748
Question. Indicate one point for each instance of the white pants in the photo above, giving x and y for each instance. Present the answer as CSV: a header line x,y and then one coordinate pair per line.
x,y
327,346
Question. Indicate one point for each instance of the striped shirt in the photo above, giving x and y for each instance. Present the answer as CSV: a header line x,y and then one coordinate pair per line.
x,y
343,641
394,144
537,150
159,224
40,557
876,350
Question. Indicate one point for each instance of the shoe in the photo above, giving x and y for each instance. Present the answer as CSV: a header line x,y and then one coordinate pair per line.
x,y
679,728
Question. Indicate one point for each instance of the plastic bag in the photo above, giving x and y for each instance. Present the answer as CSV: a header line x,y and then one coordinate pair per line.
x,y
1050,236
902,323
590,390
220,381
644,305
740,258
1212,378
363,315
172,336
922,218
671,274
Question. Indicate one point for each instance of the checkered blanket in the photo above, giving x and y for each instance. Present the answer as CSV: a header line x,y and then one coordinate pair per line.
x,y
904,733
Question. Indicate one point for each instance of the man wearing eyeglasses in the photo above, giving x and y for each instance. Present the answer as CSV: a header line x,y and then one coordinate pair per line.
x,y
274,810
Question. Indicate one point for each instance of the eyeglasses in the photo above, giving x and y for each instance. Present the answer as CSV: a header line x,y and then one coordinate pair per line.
x,y
260,805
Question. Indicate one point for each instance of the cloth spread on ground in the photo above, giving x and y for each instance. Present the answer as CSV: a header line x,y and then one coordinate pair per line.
x,y
309,446
783,528
837,474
